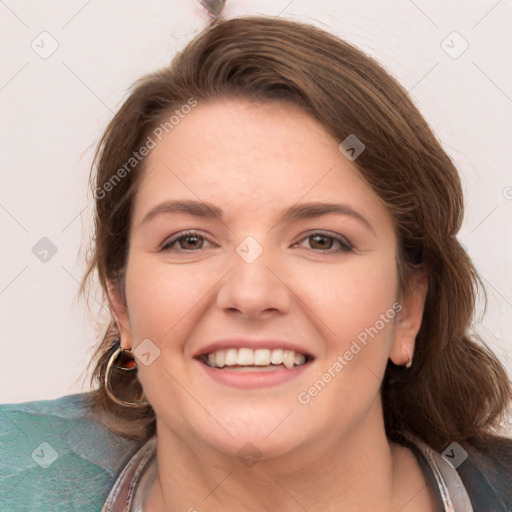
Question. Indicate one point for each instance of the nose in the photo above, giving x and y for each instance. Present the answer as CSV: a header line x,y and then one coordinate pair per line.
x,y
255,287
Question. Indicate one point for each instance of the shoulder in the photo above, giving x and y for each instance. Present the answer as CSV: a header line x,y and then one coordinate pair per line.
x,y
52,452
487,472
484,465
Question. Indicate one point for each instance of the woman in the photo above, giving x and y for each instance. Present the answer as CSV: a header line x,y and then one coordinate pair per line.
x,y
276,239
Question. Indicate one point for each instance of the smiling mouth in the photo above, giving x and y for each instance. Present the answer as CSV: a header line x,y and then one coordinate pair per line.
x,y
261,359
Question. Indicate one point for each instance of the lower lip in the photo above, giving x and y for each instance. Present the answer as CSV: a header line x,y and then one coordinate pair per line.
x,y
252,379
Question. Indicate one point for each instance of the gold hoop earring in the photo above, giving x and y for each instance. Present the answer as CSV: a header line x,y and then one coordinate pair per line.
x,y
129,366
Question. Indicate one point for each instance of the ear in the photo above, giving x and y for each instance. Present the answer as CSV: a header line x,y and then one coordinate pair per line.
x,y
408,320
117,303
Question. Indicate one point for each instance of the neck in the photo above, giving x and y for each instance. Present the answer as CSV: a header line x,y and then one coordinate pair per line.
x,y
359,471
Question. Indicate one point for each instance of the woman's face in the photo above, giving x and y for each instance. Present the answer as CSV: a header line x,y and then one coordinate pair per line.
x,y
263,273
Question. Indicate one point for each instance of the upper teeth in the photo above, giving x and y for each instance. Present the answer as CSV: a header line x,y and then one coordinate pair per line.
x,y
258,357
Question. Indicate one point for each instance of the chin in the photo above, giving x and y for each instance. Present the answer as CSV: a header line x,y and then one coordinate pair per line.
x,y
255,446
255,433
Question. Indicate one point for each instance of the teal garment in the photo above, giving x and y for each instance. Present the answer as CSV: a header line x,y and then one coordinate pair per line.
x,y
53,458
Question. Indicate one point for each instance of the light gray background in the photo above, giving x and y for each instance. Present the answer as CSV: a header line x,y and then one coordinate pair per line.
x,y
54,108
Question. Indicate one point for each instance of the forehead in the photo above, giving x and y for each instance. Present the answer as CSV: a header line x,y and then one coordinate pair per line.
x,y
251,156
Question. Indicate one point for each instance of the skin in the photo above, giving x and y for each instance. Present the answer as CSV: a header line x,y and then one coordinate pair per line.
x,y
252,161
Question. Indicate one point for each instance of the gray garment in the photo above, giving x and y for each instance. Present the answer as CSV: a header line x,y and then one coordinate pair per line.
x,y
144,487
134,483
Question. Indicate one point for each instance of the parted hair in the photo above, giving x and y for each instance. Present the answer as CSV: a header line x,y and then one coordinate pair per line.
x,y
457,389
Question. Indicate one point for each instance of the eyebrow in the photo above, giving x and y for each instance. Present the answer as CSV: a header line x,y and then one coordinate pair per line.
x,y
296,212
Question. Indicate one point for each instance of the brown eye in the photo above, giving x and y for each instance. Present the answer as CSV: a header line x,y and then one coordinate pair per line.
x,y
188,241
321,241
324,242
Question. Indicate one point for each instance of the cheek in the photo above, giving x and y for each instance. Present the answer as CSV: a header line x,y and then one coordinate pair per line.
x,y
357,325
349,298
162,299
358,309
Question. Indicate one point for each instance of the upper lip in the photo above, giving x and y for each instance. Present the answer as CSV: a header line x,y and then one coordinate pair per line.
x,y
253,343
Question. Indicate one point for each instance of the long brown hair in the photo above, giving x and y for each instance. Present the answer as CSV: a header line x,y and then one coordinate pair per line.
x,y
456,389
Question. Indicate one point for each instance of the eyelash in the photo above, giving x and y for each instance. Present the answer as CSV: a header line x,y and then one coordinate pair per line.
x,y
345,245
